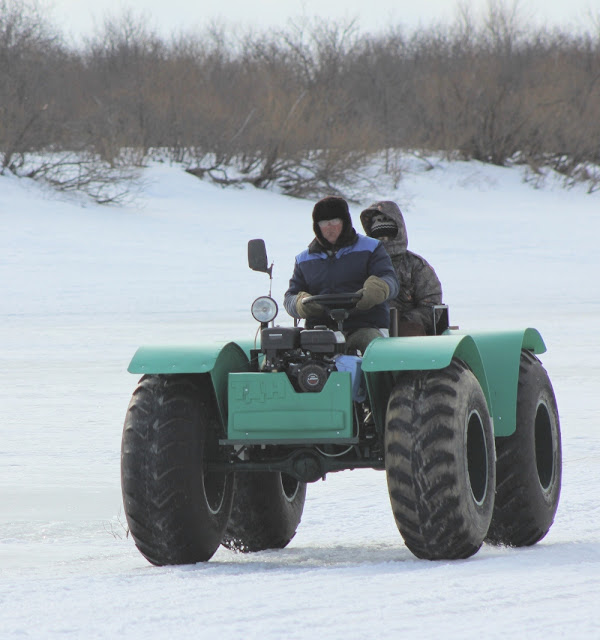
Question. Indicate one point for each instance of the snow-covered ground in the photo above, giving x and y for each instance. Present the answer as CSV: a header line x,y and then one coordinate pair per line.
x,y
82,286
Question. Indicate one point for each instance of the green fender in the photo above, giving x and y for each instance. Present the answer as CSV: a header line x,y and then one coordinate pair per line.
x,y
493,356
217,360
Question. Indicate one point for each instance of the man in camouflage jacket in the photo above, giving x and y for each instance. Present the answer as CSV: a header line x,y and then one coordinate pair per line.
x,y
420,287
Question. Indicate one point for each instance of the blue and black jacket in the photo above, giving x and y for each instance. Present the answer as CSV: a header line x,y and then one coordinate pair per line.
x,y
344,270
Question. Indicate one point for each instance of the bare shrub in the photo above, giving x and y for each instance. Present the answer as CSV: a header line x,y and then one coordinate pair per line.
x,y
124,61
301,109
28,105
42,130
285,114
86,173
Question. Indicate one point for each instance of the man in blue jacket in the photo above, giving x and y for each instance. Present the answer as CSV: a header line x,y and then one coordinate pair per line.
x,y
339,260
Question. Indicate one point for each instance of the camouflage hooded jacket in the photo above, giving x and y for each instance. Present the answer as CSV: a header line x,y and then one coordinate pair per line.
x,y
420,287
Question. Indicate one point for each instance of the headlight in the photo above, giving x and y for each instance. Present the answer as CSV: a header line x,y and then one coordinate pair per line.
x,y
264,309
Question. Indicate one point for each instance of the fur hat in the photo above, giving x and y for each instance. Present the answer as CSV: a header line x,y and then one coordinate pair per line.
x,y
329,208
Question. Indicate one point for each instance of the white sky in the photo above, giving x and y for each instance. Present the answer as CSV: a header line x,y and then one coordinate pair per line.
x,y
78,17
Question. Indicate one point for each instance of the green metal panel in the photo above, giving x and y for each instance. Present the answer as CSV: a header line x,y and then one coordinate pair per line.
x,y
386,357
179,358
492,356
247,345
265,407
231,359
216,359
408,354
501,355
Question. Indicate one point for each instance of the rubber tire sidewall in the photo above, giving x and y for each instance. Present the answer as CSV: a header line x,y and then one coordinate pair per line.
x,y
170,424
525,509
264,515
428,480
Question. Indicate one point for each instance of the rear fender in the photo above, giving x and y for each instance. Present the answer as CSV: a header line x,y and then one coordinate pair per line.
x,y
216,360
492,356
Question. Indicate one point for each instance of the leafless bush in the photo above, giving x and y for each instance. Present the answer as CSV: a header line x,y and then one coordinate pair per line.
x,y
125,73
84,172
42,113
283,115
302,109
28,53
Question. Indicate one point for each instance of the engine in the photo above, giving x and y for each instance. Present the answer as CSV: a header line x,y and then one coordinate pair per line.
x,y
307,356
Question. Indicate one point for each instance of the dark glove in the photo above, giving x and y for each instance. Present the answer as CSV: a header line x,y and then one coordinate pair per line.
x,y
308,309
374,291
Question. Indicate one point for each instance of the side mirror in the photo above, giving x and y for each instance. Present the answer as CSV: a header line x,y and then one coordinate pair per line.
x,y
257,256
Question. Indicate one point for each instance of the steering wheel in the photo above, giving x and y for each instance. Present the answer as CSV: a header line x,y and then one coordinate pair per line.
x,y
336,300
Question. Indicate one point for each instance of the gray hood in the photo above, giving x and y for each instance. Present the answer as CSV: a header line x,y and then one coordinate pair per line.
x,y
394,246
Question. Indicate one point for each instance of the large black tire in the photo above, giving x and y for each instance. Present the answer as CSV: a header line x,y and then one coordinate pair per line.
x,y
267,509
529,467
176,512
440,462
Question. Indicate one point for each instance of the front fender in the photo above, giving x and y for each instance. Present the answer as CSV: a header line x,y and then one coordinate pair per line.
x,y
217,360
493,356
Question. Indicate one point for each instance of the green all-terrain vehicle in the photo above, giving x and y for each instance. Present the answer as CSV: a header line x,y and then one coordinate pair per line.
x,y
220,442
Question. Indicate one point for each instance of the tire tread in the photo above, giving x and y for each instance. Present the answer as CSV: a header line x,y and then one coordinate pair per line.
x,y
420,454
